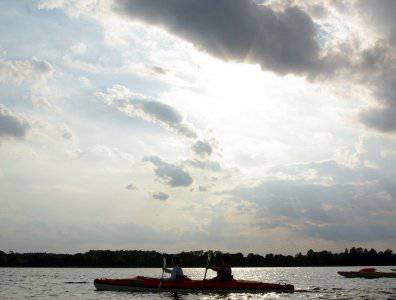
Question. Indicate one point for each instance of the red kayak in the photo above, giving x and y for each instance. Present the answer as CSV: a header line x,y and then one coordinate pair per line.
x,y
368,273
141,283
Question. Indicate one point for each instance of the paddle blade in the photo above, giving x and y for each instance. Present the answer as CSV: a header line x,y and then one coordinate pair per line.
x,y
164,262
210,254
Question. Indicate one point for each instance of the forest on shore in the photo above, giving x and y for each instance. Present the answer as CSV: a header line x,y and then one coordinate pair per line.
x,y
139,258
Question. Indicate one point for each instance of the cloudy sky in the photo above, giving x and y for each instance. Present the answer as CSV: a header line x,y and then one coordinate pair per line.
x,y
253,126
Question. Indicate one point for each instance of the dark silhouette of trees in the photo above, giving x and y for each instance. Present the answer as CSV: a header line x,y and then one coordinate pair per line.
x,y
139,258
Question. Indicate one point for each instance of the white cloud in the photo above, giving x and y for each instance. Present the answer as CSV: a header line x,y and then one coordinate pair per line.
x,y
66,132
79,48
136,105
85,82
101,152
82,65
35,73
204,164
3,53
75,7
18,71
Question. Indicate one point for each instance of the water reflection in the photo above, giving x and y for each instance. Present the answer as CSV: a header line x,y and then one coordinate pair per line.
x,y
186,295
177,295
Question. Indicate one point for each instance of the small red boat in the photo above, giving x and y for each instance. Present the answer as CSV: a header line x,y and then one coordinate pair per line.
x,y
141,283
368,273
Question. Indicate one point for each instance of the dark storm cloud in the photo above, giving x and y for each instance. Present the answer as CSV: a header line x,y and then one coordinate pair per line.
x,y
237,30
382,14
378,63
333,212
161,196
284,40
202,148
320,210
11,125
378,66
171,174
382,119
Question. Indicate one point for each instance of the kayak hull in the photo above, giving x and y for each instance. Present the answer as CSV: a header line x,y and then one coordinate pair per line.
x,y
147,284
368,275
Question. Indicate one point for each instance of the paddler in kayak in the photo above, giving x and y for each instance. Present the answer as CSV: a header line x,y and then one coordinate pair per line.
x,y
176,272
224,272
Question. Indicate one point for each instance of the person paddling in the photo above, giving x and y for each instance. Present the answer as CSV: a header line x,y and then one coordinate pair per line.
x,y
176,272
224,272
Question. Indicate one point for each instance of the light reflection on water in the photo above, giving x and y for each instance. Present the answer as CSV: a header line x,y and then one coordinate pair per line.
x,y
77,283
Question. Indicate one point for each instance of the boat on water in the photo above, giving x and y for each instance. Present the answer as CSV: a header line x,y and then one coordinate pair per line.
x,y
368,273
141,283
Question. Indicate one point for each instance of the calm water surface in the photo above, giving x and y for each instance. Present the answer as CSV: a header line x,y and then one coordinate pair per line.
x,y
310,283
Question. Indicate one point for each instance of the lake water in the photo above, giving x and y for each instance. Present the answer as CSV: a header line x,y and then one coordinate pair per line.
x,y
77,283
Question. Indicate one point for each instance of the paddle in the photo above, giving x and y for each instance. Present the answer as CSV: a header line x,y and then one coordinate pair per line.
x,y
208,262
163,266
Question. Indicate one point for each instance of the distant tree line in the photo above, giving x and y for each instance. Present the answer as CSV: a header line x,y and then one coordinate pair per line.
x,y
137,258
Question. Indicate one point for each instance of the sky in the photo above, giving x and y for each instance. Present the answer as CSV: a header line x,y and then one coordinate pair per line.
x,y
237,125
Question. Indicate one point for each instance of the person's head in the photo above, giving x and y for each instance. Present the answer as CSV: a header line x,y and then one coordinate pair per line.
x,y
176,261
